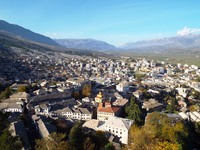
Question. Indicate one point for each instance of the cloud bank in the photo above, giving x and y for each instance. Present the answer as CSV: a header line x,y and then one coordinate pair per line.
x,y
187,31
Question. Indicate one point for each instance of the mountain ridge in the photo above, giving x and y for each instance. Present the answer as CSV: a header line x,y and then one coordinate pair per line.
x,y
85,44
181,43
176,44
26,33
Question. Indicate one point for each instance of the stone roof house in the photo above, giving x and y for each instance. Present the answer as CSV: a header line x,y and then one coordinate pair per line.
x,y
152,105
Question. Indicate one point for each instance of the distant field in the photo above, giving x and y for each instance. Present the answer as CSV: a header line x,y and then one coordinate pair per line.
x,y
175,58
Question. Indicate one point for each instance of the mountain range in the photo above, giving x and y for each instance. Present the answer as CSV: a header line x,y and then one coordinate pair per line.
x,y
15,42
26,33
86,44
187,43
177,44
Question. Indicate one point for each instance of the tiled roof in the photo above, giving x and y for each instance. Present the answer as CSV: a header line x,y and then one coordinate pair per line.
x,y
109,109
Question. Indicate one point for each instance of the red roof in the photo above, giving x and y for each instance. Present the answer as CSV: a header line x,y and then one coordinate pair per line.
x,y
109,109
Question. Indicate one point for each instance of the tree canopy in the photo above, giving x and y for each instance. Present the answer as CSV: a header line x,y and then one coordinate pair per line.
x,y
109,146
75,135
134,112
55,141
6,93
159,132
23,89
7,141
86,90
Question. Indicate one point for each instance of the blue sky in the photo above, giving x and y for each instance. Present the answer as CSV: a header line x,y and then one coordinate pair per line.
x,y
113,21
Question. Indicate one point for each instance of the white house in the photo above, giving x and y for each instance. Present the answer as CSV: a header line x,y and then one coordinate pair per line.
x,y
42,109
40,92
78,81
77,113
160,70
194,116
195,85
86,99
118,127
10,107
182,91
122,86
115,126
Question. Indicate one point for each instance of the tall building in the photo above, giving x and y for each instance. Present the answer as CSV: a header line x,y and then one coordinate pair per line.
x,y
100,98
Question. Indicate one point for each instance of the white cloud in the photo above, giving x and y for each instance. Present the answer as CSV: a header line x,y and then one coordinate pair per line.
x,y
52,35
187,31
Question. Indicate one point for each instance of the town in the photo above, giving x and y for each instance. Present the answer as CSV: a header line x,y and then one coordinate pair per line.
x,y
97,92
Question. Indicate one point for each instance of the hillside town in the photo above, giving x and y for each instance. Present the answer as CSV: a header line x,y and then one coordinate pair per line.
x,y
96,92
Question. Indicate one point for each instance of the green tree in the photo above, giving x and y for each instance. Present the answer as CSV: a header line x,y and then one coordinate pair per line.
x,y
197,79
167,146
174,133
146,95
23,89
155,121
1,87
194,134
134,112
109,146
86,90
195,94
75,135
4,121
88,144
100,139
8,142
139,77
171,107
55,141
159,132
140,138
6,93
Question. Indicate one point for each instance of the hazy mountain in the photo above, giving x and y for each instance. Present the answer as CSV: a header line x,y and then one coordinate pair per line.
x,y
85,44
189,43
11,42
25,33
